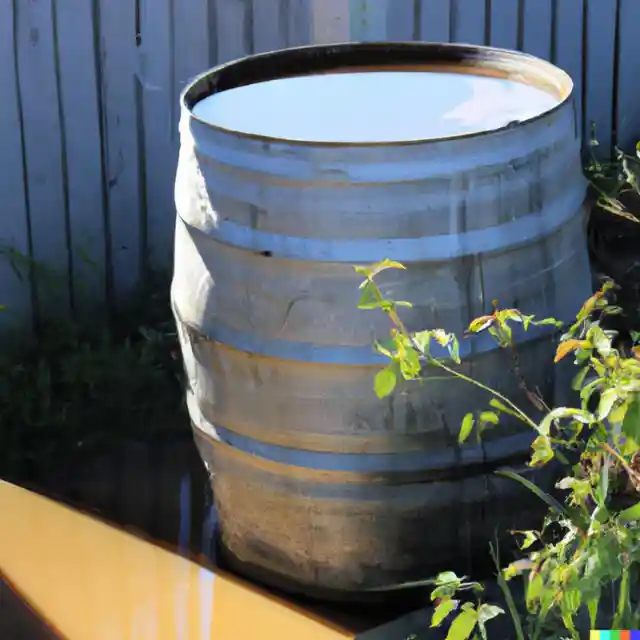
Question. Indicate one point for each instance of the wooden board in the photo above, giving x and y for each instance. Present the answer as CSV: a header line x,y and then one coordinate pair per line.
x,y
15,293
44,154
627,108
435,20
121,103
330,21
82,162
468,21
234,29
568,54
600,31
537,28
504,24
160,106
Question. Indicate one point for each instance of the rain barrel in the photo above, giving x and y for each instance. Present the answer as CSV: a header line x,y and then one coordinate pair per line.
x,y
461,162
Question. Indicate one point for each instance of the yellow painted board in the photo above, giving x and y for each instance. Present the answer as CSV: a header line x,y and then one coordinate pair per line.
x,y
91,581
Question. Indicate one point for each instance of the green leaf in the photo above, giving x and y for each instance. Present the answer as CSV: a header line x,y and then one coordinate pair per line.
x,y
580,488
480,324
422,340
445,591
589,389
631,422
385,382
535,586
631,514
487,612
504,333
607,400
410,364
463,625
488,417
466,427
496,404
447,577
442,611
371,271
549,322
509,314
550,501
600,340
454,349
572,600
441,337
370,297
578,381
385,347
618,413
530,537
542,451
563,412
592,607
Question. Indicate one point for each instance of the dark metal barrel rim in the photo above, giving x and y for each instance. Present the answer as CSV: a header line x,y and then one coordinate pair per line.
x,y
375,470
364,356
524,231
364,56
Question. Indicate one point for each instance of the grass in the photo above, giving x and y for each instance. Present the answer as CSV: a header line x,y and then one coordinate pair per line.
x,y
77,389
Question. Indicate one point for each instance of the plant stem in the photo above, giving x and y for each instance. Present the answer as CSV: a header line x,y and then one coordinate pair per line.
x,y
523,416
504,587
623,600
395,319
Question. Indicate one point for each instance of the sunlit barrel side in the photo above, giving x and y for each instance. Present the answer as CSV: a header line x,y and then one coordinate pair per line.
x,y
319,483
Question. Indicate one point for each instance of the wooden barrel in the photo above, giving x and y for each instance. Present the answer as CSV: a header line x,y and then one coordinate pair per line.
x,y
318,483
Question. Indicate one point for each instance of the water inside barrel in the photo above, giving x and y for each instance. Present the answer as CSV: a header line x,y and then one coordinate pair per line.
x,y
374,106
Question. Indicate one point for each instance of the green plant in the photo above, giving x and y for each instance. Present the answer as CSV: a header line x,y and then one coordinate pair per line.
x,y
82,386
588,544
613,180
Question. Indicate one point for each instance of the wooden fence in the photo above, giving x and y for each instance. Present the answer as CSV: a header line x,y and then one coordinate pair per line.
x,y
88,119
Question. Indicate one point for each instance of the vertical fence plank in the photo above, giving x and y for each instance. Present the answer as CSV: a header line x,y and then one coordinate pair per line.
x,y
270,25
330,19
299,22
537,23
160,109
369,20
42,130
628,107
435,20
505,20
599,60
82,133
468,21
191,43
234,29
15,294
402,20
120,103
568,48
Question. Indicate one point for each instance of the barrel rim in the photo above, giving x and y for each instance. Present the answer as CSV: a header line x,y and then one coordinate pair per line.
x,y
323,58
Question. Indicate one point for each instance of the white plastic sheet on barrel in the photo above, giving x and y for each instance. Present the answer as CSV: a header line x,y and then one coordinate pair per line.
x,y
461,162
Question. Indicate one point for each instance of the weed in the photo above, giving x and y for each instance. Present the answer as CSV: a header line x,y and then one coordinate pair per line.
x,y
589,544
76,387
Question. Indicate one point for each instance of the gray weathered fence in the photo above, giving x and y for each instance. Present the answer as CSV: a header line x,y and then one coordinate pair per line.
x,y
88,119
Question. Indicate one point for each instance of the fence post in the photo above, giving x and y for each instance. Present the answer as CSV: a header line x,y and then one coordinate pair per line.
x,y
330,21
368,20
